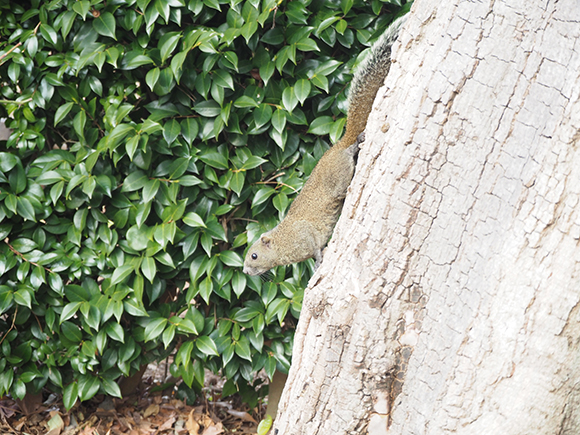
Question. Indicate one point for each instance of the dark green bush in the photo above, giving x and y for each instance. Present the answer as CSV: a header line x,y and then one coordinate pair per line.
x,y
152,140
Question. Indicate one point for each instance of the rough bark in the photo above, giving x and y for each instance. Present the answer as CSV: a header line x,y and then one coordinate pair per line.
x,y
448,300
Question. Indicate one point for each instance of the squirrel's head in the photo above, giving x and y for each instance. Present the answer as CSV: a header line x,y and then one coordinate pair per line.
x,y
261,256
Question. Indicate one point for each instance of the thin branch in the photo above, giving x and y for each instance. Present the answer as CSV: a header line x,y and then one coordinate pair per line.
x,y
10,51
24,258
12,326
28,100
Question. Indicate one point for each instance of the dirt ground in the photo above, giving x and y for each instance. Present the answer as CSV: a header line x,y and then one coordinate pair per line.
x,y
149,411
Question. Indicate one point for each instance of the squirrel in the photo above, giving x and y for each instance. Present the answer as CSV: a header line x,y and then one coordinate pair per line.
x,y
307,227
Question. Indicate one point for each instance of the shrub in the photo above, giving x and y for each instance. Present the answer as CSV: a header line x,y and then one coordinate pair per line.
x,y
151,141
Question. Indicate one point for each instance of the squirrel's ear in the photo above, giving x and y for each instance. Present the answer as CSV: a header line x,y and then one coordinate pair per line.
x,y
265,241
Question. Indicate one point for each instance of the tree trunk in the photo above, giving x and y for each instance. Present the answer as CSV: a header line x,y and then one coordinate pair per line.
x,y
448,299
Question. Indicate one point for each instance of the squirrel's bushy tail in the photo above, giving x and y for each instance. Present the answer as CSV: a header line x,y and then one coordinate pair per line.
x,y
368,78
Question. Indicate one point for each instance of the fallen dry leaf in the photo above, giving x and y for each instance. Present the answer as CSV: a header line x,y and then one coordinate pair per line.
x,y
55,425
243,415
146,412
192,425
151,410
214,429
168,424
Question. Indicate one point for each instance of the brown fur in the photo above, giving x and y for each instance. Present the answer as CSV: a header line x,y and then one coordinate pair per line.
x,y
307,227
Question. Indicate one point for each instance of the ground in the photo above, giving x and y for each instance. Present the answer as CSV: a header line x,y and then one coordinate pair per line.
x,y
149,411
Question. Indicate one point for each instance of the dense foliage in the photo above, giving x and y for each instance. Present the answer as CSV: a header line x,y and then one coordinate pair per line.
x,y
151,141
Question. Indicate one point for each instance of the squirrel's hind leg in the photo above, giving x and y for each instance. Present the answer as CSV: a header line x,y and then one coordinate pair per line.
x,y
355,147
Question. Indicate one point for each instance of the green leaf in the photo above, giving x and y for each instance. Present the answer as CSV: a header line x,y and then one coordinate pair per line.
x,y
266,71
56,191
206,288
82,8
209,109
183,355
307,44
70,395
55,376
279,120
49,177
68,19
25,209
133,60
189,129
206,346
152,77
163,8
138,238
336,129
178,167
321,125
278,307
11,203
142,214
105,25
171,130
62,111
192,219
55,282
289,99
327,67
135,308
245,101
281,202
262,114
150,126
167,44
8,161
302,90
253,162
71,332
115,331
214,159
237,182
262,195
242,348
131,145
320,81
265,425
23,297
223,78
88,386
346,5
111,387
154,328
168,335
239,283
231,259
121,273
246,314
135,181
118,133
48,34
79,123
69,310
149,268
6,379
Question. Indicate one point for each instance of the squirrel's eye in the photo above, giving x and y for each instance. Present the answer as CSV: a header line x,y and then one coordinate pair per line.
x,y
254,256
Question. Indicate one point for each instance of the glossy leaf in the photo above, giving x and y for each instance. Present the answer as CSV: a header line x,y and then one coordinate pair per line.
x,y
105,25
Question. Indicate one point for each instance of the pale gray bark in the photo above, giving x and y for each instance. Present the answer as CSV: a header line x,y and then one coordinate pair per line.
x,y
448,300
